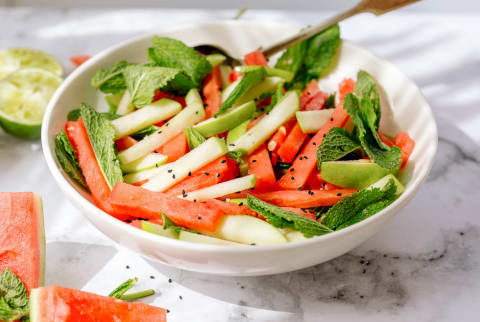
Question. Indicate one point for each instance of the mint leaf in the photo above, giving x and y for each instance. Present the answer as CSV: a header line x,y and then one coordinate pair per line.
x,y
144,132
194,137
14,301
110,80
336,144
238,156
73,115
321,52
366,86
123,288
101,134
282,218
389,158
142,82
248,80
330,101
292,59
359,206
67,158
172,53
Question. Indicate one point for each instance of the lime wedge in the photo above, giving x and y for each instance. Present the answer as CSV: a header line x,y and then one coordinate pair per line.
x,y
24,95
16,58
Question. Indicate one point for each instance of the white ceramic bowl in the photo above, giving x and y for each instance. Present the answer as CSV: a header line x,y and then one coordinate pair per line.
x,y
404,108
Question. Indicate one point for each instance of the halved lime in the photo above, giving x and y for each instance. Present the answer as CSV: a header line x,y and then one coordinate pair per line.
x,y
24,95
16,58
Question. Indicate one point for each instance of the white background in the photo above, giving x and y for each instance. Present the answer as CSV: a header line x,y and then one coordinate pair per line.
x,y
425,6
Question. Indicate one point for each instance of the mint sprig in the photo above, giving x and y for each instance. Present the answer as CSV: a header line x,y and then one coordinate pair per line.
x,y
282,218
173,53
248,80
14,301
119,291
359,206
102,138
336,144
67,158
143,80
110,79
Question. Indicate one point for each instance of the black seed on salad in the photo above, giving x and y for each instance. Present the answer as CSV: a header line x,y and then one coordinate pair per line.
x,y
127,267
314,143
339,194
199,218
293,178
253,161
218,175
173,176
223,161
240,204
152,277
305,157
189,173
169,280
206,173
292,169
301,158
180,297
299,188
331,119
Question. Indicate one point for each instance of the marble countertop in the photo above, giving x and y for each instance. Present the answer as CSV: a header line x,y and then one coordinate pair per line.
x,y
424,266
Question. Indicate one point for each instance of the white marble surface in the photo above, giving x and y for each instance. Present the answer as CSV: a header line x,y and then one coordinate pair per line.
x,y
424,266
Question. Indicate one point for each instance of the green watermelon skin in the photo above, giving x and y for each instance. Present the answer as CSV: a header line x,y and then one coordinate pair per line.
x,y
61,304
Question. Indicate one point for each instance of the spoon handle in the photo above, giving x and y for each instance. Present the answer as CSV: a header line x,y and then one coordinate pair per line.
x,y
377,7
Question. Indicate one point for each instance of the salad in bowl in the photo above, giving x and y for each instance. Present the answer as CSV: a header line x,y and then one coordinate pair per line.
x,y
197,150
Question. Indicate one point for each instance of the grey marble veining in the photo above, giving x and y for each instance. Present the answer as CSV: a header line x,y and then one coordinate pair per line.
x,y
423,266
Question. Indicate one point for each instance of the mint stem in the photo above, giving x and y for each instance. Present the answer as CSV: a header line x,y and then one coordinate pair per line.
x,y
137,295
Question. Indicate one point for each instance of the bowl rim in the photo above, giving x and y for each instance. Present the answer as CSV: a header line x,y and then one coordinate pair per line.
x,y
88,207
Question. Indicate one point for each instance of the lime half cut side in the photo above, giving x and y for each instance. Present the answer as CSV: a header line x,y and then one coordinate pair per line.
x,y
16,58
24,95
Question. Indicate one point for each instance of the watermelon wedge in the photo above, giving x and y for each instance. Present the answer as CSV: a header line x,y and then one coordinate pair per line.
x,y
22,237
55,303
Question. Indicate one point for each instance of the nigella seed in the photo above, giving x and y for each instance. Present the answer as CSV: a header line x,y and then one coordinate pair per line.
x,y
206,173
223,161
301,158
199,218
168,311
169,280
253,161
339,194
152,277
169,170
299,188
324,134
305,157
127,267
166,124
292,169
293,178
331,119
189,173
180,297
183,191
194,200
196,112
218,175
173,176
314,143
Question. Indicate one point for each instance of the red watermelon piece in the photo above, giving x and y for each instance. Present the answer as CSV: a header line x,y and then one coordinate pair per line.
x,y
22,237
60,304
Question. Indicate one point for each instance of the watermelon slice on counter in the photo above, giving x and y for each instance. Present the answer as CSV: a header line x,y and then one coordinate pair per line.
x,y
22,237
60,304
